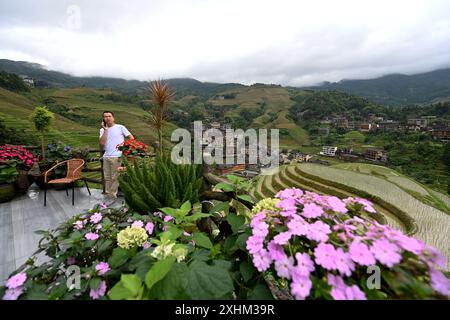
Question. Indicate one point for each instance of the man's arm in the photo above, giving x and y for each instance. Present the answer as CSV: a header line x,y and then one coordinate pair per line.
x,y
127,134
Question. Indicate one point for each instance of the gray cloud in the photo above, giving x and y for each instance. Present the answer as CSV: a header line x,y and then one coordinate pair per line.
x,y
286,42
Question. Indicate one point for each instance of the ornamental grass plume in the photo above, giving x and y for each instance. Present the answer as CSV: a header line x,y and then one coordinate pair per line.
x,y
323,247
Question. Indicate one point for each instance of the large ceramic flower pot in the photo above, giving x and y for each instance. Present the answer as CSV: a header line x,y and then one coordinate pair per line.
x,y
7,192
23,181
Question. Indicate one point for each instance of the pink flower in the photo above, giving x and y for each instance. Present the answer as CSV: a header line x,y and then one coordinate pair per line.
x,y
304,265
335,281
289,193
13,294
98,227
99,292
16,280
288,207
409,244
149,227
312,210
146,245
318,231
78,225
284,266
262,260
276,251
168,218
367,205
71,261
325,255
360,253
102,268
301,287
343,262
354,293
91,236
137,224
440,282
96,217
103,206
254,244
298,226
261,229
336,204
282,238
386,252
158,214
187,234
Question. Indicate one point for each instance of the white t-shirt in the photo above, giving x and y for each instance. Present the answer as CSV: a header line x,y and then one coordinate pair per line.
x,y
116,135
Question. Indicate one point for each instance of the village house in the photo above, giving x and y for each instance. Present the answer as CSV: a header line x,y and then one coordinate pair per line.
x,y
28,81
388,126
340,122
417,124
441,134
375,155
365,127
323,131
328,151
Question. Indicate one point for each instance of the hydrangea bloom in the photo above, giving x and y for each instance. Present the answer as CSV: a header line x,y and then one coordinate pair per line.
x,y
131,237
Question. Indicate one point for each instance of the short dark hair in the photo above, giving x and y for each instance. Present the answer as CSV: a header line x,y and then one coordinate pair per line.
x,y
108,112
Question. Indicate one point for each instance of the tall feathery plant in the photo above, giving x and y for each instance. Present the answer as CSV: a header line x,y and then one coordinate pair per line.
x,y
160,94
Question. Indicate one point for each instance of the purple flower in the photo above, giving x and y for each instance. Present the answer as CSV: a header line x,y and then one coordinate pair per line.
x,y
260,229
91,236
137,224
276,251
409,244
13,294
168,218
360,253
312,210
71,261
149,227
304,266
96,217
288,207
187,234
386,252
146,245
282,238
103,206
343,262
325,255
301,287
367,205
439,282
289,193
262,260
298,226
336,204
98,227
284,266
354,293
158,214
102,268
254,244
99,292
318,231
335,281
16,280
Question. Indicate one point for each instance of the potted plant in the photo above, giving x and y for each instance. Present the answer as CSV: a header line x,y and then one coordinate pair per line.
x,y
133,148
8,174
23,160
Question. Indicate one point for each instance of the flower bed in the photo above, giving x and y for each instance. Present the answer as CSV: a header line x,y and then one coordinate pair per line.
x,y
318,247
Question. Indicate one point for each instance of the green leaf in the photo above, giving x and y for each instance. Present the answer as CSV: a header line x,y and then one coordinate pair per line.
x,y
246,197
225,187
196,216
208,282
102,246
221,206
132,283
202,240
247,270
186,206
241,241
119,257
172,233
158,271
173,285
235,221
94,283
260,292
119,292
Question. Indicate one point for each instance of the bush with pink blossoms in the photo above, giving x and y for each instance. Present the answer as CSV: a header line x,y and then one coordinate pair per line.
x,y
320,247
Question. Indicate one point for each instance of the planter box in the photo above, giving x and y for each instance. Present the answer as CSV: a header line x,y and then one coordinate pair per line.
x,y
7,192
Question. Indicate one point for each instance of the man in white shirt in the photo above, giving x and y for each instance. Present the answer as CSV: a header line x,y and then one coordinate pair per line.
x,y
112,134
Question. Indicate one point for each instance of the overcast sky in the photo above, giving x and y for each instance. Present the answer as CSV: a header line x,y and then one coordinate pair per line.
x,y
284,42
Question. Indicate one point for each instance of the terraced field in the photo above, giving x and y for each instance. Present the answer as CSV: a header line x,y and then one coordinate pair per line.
x,y
395,206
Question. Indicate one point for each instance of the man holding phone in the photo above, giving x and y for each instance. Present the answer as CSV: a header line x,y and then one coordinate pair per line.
x,y
111,135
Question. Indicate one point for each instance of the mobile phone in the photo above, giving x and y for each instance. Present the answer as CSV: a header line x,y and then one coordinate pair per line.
x,y
104,123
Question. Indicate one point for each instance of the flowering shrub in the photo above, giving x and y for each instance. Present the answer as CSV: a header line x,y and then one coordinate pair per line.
x,y
124,255
133,148
22,158
320,248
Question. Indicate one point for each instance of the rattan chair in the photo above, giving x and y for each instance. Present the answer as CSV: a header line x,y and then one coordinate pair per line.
x,y
74,167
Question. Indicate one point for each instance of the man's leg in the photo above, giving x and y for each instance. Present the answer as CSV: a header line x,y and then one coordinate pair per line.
x,y
115,176
107,174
